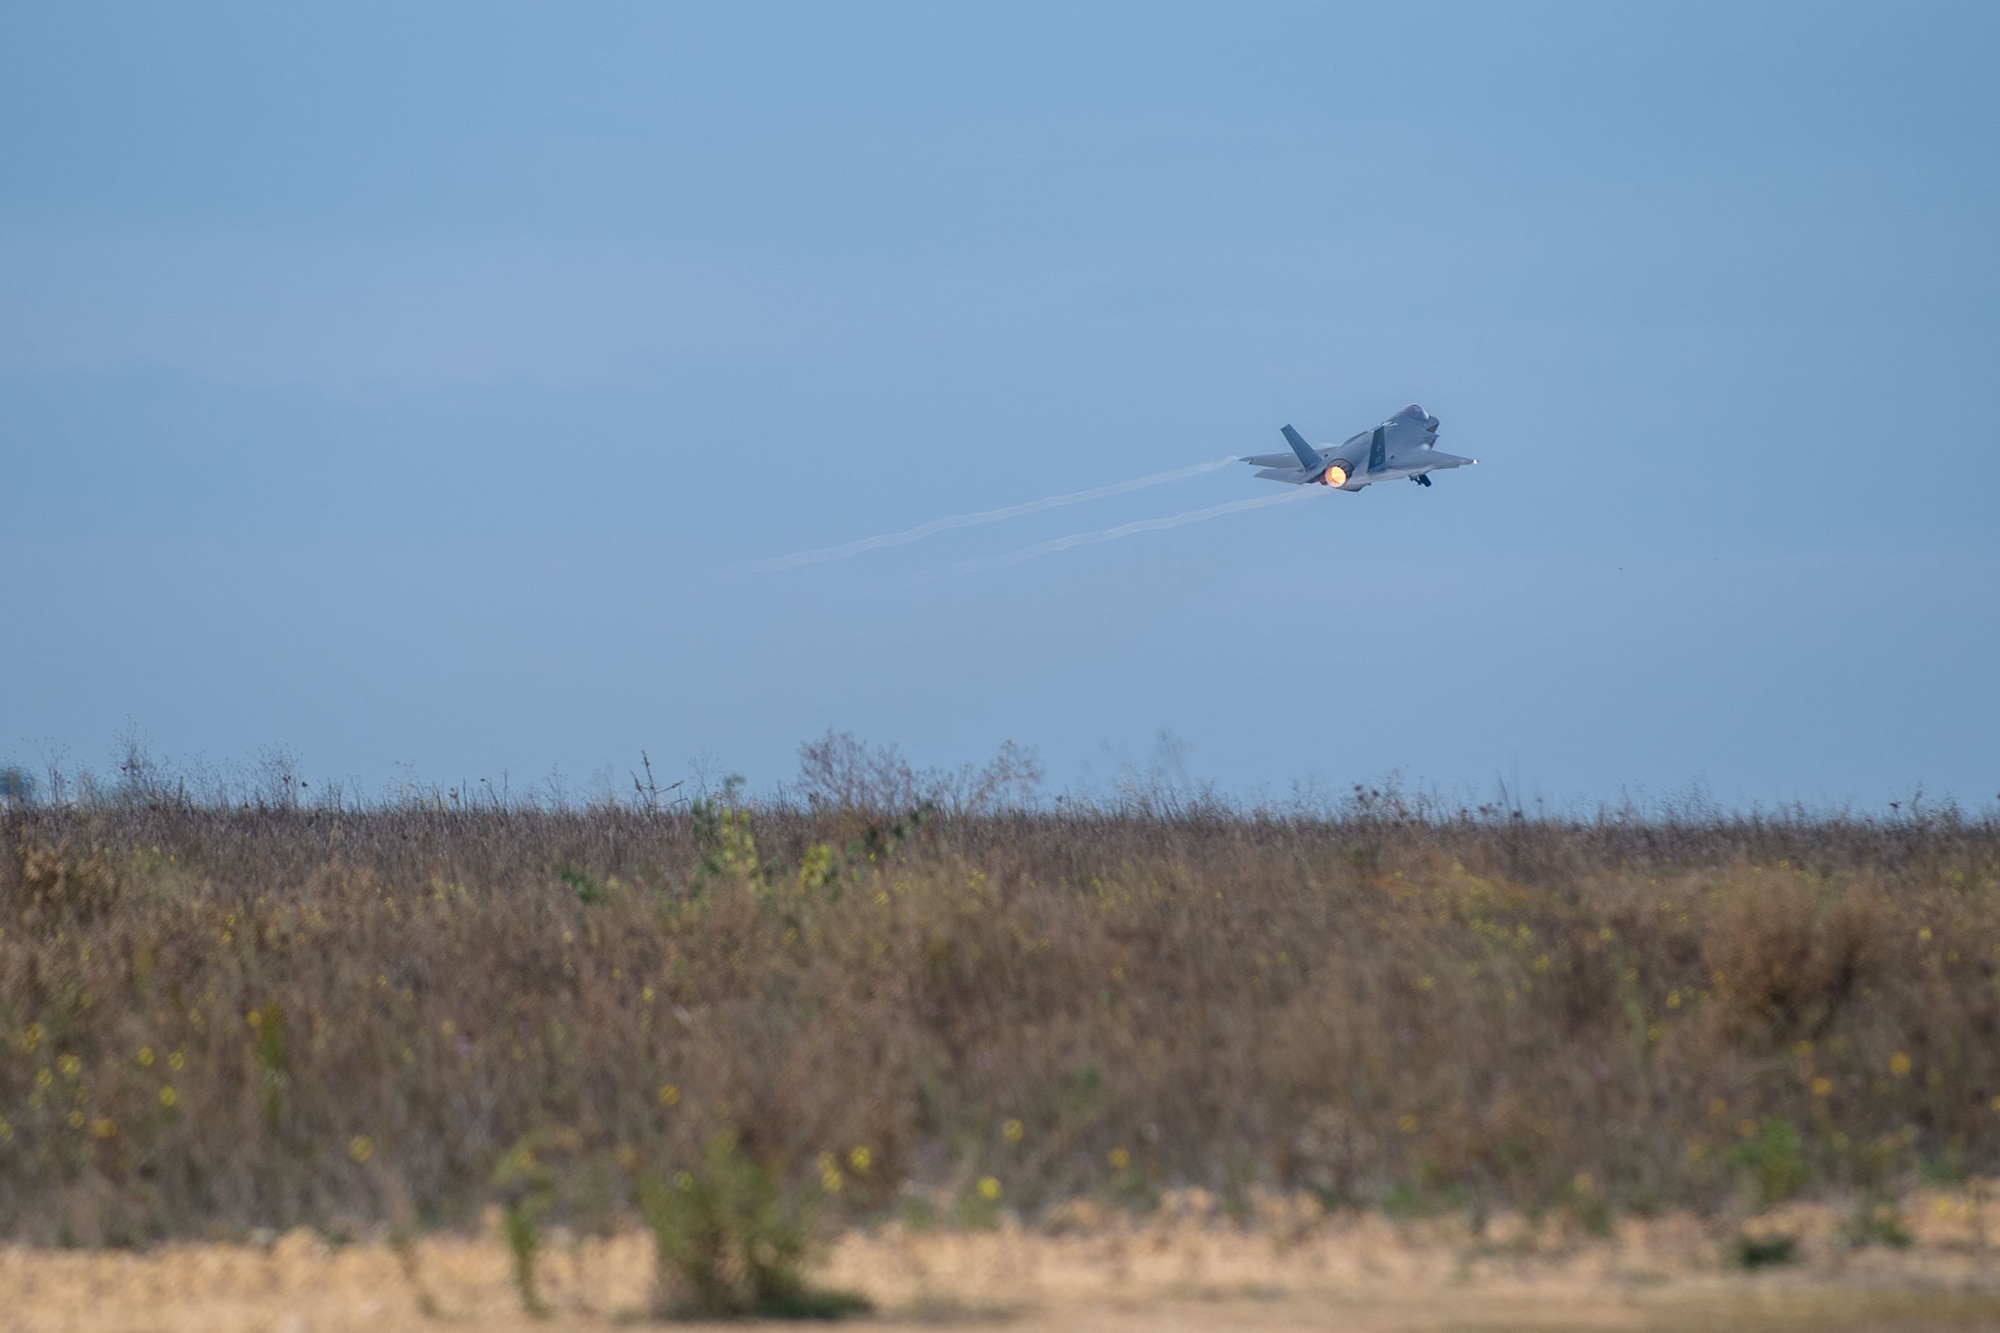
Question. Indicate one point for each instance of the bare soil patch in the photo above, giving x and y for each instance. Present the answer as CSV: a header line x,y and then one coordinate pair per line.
x,y
1181,1267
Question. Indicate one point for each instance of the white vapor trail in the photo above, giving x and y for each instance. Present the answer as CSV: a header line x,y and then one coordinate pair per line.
x,y
936,526
1123,530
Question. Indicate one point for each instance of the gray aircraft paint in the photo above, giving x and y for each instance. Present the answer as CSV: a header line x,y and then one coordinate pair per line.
x,y
1402,446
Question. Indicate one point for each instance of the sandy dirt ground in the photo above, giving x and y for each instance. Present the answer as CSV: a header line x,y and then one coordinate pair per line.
x,y
1185,1266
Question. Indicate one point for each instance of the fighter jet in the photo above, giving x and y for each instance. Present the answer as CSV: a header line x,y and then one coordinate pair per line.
x,y
1399,447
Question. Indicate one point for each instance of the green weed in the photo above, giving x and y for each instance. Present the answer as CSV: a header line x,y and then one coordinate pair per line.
x,y
1771,1162
730,1242
1754,1252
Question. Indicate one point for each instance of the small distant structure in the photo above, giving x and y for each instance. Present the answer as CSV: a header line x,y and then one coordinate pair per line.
x,y
17,787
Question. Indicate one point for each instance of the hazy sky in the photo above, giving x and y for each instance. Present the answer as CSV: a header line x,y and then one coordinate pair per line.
x,y
434,389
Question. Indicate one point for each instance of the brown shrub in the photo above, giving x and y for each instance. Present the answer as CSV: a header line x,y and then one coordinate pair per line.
x,y
55,881
1786,951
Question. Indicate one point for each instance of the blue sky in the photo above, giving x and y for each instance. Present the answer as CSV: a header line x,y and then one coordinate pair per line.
x,y
419,391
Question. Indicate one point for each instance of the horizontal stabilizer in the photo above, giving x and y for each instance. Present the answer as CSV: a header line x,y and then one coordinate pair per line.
x,y
1297,476
1308,456
1270,460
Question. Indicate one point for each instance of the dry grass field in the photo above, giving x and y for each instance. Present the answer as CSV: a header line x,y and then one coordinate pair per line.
x,y
897,1000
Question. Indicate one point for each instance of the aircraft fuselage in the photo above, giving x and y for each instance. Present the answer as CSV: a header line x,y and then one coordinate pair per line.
x,y
1401,447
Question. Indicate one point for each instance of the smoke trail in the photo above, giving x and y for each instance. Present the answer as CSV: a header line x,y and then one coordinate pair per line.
x,y
1055,544
936,526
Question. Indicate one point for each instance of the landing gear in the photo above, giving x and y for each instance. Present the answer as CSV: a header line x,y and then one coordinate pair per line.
x,y
1422,479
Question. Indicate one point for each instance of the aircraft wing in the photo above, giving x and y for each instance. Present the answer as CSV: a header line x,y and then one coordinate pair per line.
x,y
1438,458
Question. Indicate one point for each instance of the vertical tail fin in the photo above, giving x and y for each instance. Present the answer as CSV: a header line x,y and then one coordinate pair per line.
x,y
1309,458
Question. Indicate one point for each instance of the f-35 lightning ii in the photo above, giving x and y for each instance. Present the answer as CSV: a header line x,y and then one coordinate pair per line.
x,y
1399,447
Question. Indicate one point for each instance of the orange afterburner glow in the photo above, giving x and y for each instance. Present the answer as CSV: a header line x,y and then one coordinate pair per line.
x,y
1336,475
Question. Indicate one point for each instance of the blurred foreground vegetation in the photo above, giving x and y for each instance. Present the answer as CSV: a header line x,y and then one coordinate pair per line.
x,y
900,995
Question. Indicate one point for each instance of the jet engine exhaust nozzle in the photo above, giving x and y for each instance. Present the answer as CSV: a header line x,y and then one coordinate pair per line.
x,y
1335,475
